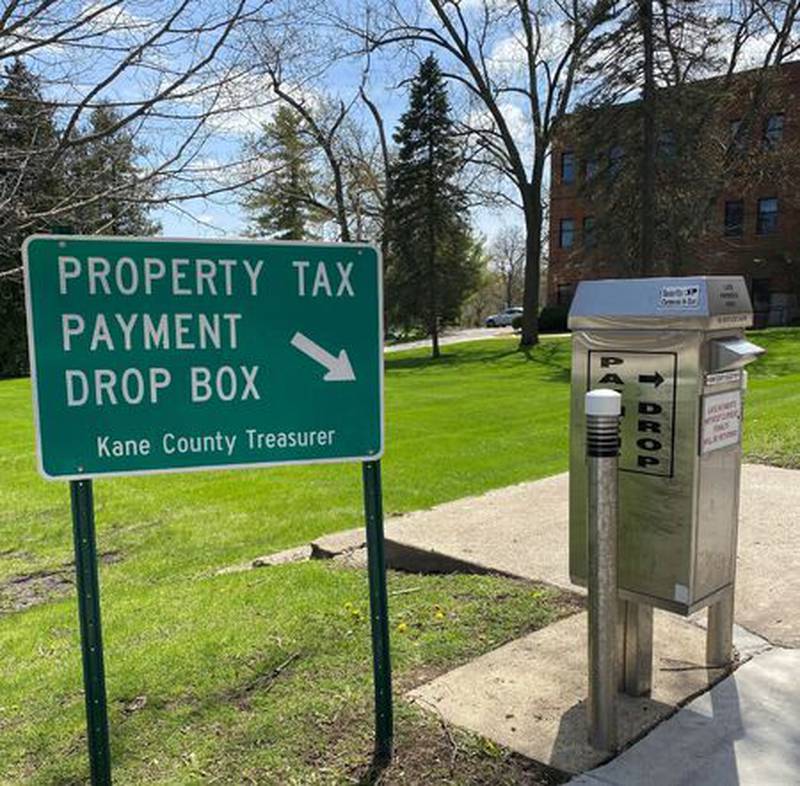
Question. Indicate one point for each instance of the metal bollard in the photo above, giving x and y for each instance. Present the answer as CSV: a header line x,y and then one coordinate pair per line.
x,y
603,409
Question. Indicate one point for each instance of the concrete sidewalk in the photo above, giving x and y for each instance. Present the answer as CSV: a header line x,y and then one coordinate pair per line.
x,y
458,336
530,694
744,732
522,531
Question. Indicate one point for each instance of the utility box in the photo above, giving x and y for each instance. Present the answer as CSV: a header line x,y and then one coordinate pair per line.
x,y
675,349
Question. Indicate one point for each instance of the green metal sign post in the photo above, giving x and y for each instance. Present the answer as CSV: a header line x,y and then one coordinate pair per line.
x,y
167,355
94,680
379,611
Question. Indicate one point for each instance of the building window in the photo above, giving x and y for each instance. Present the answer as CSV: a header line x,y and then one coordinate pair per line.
x,y
773,130
760,291
767,220
667,146
566,232
588,232
734,218
591,167
568,168
737,134
615,156
564,294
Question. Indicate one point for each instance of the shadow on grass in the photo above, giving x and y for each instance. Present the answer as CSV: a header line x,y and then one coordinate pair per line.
x,y
552,356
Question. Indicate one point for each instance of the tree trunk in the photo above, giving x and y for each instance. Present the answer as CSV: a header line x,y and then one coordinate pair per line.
x,y
387,174
338,192
647,228
435,353
533,255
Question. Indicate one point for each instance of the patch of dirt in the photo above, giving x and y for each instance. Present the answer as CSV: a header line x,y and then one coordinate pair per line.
x,y
15,554
32,589
22,592
428,751
440,759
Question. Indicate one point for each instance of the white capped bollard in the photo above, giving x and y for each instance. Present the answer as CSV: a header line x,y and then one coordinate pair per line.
x,y
603,410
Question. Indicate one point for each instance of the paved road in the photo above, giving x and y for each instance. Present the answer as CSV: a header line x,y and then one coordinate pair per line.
x,y
454,337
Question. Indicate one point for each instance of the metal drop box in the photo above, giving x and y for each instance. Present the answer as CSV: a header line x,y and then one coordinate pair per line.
x,y
675,349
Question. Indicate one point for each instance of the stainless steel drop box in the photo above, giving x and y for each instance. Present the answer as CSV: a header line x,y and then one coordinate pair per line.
x,y
675,349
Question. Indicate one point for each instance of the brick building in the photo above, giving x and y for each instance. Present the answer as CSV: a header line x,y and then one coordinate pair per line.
x,y
753,228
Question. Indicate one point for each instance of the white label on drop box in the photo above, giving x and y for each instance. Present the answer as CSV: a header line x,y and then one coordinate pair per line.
x,y
679,297
722,421
723,378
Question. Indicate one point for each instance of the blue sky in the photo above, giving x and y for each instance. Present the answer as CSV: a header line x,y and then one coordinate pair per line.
x,y
387,87
71,71
245,99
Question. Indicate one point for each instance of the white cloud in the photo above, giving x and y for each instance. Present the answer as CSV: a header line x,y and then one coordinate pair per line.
x,y
244,103
510,56
518,122
113,21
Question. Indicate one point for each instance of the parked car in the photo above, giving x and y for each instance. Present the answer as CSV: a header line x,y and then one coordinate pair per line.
x,y
504,318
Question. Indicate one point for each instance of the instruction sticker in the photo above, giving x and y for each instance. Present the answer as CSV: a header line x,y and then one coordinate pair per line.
x,y
722,421
679,297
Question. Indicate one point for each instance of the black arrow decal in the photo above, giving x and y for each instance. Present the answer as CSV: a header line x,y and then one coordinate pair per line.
x,y
654,379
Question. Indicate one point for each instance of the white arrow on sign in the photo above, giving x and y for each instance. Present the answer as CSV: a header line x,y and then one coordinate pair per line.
x,y
339,368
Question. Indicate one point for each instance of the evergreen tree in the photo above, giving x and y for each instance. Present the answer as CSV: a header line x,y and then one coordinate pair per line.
x,y
109,194
93,187
283,204
29,183
28,187
432,268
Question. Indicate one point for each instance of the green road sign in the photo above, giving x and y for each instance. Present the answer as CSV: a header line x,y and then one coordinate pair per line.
x,y
151,355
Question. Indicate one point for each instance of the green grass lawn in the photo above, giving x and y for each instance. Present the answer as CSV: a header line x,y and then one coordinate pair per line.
x,y
191,655
772,422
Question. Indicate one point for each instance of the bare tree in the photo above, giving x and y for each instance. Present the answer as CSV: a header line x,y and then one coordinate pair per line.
x,y
507,254
382,191
293,60
519,62
167,71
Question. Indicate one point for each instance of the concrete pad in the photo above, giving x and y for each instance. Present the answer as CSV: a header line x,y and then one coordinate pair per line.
x,y
330,546
747,644
530,695
519,531
768,568
744,732
299,554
